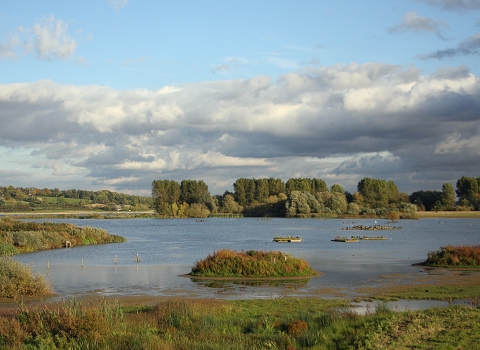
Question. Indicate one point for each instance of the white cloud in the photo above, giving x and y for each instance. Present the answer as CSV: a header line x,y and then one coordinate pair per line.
x,y
354,120
47,39
413,22
50,40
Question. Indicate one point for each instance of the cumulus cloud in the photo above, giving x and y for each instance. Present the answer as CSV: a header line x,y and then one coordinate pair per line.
x,y
340,123
411,21
467,47
47,39
454,5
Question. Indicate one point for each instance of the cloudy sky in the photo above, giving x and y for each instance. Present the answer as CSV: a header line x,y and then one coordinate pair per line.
x,y
112,94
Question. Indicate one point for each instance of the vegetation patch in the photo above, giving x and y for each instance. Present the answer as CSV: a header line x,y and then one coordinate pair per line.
x,y
455,256
18,280
289,323
18,236
251,264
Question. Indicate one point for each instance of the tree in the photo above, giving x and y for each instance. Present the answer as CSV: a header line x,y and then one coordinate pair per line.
x,y
165,193
448,196
468,189
297,204
318,185
336,188
230,206
261,190
337,202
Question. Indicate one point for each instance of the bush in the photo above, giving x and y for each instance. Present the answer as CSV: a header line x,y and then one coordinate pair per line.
x,y
455,256
17,279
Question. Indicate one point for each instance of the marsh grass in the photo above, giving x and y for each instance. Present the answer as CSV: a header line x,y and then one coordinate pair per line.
x,y
21,237
229,263
456,256
241,324
17,280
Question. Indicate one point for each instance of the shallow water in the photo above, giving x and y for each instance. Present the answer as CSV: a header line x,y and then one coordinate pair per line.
x,y
168,248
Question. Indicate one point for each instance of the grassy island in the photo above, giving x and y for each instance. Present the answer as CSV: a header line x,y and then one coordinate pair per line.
x,y
251,264
455,256
18,236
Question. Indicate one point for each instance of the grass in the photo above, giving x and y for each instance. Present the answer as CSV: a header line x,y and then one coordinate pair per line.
x,y
449,214
239,324
21,237
260,264
18,280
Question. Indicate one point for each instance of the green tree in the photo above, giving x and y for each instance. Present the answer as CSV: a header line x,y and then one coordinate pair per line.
x,y
297,203
448,196
164,194
468,189
261,190
230,206
336,188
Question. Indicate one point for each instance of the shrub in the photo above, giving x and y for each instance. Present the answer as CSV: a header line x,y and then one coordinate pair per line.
x,y
7,249
17,279
455,256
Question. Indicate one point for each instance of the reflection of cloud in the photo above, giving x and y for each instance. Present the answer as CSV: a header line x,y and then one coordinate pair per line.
x,y
468,47
354,120
412,21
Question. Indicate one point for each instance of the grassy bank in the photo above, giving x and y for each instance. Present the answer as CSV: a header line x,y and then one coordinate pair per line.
x,y
259,264
449,214
20,236
241,324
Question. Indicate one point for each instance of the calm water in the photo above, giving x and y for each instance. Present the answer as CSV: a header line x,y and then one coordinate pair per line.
x,y
168,248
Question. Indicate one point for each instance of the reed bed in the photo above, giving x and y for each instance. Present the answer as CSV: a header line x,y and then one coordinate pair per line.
x,y
252,263
455,256
246,324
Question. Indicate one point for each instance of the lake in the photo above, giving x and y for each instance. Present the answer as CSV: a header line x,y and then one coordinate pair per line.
x,y
168,248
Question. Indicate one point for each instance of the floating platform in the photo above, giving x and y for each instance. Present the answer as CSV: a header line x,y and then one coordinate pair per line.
x,y
287,239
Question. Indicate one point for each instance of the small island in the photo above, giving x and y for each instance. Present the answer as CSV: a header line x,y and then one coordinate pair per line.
x,y
251,264
454,256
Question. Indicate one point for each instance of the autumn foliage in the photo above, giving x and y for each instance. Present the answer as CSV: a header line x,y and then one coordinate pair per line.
x,y
455,256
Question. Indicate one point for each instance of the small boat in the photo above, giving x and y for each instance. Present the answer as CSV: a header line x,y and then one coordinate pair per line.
x,y
375,238
346,239
287,239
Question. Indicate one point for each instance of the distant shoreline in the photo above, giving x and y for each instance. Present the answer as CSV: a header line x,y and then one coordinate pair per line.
x,y
97,214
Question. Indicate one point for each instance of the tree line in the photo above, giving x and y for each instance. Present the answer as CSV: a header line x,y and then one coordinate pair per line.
x,y
19,197
307,197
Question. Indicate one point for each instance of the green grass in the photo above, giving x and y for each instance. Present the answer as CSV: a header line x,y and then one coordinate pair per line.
x,y
260,264
241,324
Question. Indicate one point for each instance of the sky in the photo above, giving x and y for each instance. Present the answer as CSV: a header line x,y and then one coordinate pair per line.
x,y
113,94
